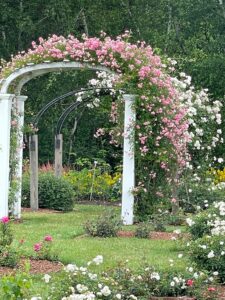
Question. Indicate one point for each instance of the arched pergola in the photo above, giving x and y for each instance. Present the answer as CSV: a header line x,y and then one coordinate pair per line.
x,y
10,89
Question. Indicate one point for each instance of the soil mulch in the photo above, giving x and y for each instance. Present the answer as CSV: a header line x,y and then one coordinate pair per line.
x,y
36,267
154,235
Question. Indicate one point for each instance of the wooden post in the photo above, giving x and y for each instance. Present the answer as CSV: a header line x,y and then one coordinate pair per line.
x,y
58,154
33,148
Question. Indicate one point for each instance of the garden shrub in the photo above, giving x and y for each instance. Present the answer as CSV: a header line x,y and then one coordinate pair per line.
x,y
208,253
199,195
142,231
16,287
123,283
9,256
208,222
54,192
43,249
105,186
106,225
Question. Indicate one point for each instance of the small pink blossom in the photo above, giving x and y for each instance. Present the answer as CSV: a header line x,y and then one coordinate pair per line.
x,y
5,220
37,247
48,238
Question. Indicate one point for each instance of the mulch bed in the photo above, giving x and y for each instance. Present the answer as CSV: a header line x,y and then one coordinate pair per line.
x,y
154,235
36,267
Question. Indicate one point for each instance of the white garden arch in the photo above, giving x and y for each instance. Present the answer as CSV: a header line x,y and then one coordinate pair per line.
x,y
10,88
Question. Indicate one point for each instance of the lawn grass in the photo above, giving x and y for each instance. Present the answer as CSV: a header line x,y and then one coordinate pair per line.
x,y
73,246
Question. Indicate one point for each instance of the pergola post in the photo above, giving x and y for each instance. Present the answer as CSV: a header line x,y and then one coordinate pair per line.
x,y
19,106
58,154
33,148
128,179
5,125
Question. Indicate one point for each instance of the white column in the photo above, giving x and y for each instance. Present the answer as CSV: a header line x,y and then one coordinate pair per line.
x,y
19,106
5,124
128,180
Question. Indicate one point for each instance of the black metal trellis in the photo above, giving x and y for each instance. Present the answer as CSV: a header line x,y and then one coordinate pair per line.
x,y
75,105
62,97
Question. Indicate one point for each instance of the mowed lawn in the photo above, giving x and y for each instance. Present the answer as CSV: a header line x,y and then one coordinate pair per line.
x,y
74,246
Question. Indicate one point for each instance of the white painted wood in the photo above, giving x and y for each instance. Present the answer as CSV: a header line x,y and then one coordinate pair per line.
x,y
32,71
19,103
128,179
58,154
33,149
5,124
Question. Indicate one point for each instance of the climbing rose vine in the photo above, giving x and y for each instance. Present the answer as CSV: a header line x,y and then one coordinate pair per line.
x,y
161,135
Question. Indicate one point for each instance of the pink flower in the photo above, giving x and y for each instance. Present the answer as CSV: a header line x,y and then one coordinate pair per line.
x,y
211,289
5,220
37,247
190,282
48,238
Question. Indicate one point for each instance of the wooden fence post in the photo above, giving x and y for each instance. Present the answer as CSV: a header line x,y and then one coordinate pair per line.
x,y
33,149
58,154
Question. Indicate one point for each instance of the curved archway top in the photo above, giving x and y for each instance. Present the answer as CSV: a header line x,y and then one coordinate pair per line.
x,y
31,71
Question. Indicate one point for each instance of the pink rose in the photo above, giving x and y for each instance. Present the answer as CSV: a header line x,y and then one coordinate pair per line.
x,y
37,247
5,220
190,282
48,238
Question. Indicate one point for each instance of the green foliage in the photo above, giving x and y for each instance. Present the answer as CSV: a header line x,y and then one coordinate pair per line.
x,y
9,256
16,287
200,226
205,221
106,225
43,249
95,184
193,195
208,254
54,193
142,231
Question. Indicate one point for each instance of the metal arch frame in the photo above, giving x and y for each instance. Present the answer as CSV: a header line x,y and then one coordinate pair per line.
x,y
69,109
62,97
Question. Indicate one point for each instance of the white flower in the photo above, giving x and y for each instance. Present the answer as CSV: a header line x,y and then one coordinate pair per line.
x,y
133,297
197,145
211,254
155,275
215,273
106,291
81,288
202,246
98,260
118,296
47,278
71,268
190,222
220,160
92,276
180,255
172,283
